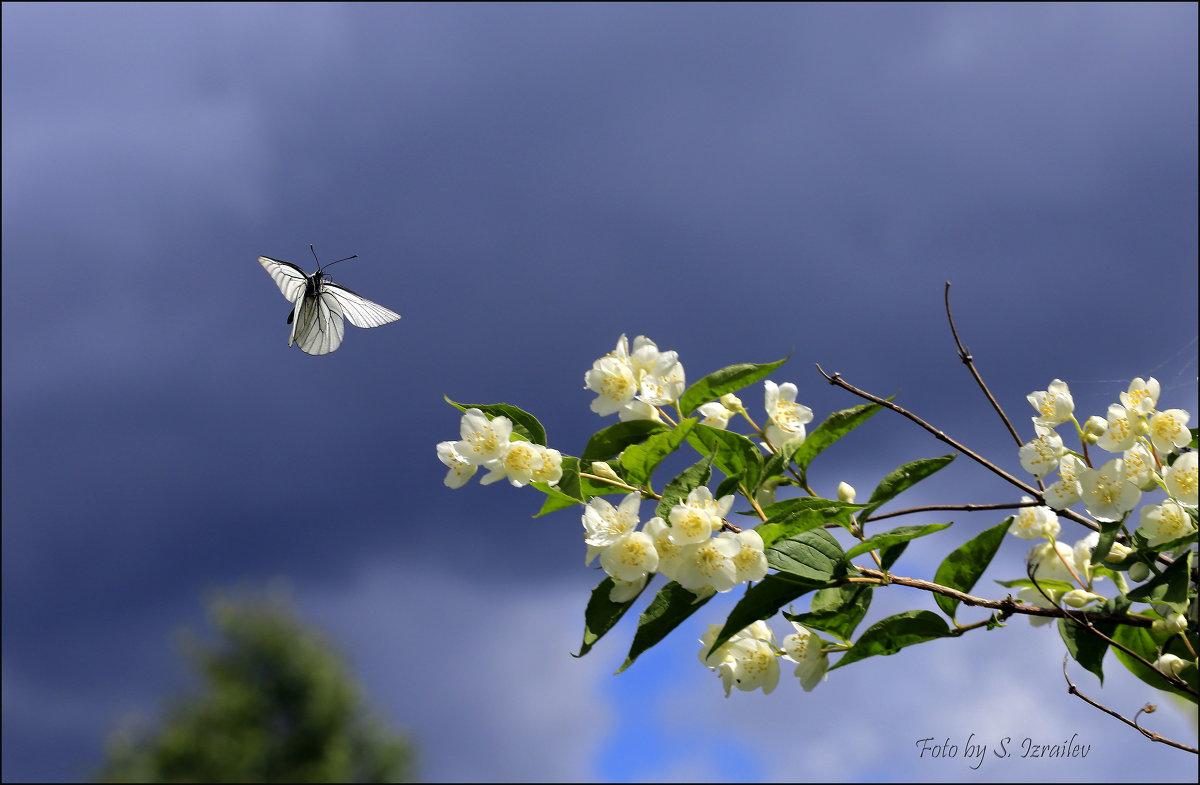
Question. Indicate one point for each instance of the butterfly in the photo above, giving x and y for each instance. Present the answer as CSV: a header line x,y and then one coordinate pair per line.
x,y
320,305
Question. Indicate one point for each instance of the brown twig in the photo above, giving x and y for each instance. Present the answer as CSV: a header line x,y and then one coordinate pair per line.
x,y
967,507
969,361
1073,690
1007,606
837,380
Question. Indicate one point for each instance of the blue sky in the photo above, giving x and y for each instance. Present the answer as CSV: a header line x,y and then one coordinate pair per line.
x,y
524,184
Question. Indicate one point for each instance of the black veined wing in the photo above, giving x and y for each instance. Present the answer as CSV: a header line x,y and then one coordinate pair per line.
x,y
318,327
319,306
288,277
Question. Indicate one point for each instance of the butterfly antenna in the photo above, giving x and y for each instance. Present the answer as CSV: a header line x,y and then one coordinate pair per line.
x,y
331,264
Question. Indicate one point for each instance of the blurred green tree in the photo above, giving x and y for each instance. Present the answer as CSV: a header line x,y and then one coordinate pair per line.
x,y
278,705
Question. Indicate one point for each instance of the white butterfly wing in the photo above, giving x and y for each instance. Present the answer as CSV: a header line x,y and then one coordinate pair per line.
x,y
358,309
318,328
288,277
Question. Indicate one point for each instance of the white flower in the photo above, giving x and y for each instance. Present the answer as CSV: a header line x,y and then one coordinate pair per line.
x,y
1031,596
631,557
1107,494
745,660
785,414
638,410
1118,433
708,564
846,492
750,561
698,516
1142,396
665,382
1180,479
1053,561
1033,522
1165,522
1067,490
550,471
1054,405
645,356
804,649
604,524
1168,430
1140,467
518,463
1040,456
483,440
715,414
612,379
624,591
461,469
669,554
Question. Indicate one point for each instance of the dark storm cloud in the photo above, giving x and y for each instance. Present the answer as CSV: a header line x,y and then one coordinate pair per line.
x,y
523,184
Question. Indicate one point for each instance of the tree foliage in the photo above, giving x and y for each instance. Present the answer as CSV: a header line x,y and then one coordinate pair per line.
x,y
277,705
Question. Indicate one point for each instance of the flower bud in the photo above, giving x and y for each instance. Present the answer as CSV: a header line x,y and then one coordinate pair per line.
x,y
1077,598
1175,622
602,469
1139,572
1170,664
1117,553
731,402
1095,426
846,492
1141,426
766,494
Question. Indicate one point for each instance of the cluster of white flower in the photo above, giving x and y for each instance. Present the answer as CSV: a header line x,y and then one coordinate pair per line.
x,y
1144,436
694,546
489,443
750,659
684,551
635,384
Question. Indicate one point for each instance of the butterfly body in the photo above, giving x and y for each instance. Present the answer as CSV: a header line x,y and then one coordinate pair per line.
x,y
320,307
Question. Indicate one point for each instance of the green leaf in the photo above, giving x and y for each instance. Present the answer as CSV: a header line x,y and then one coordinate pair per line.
x,y
1108,535
813,557
736,455
640,460
894,633
833,428
837,610
608,442
793,516
967,562
901,478
566,493
1141,641
889,555
666,611
601,614
524,423
1171,585
1084,646
762,601
729,379
677,489
894,537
